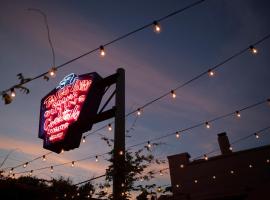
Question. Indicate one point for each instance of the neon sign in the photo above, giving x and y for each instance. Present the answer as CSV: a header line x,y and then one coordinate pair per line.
x,y
64,110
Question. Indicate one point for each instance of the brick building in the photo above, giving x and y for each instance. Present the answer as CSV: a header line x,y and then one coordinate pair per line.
x,y
242,175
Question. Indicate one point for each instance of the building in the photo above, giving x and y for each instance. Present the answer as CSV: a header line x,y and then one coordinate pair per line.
x,y
242,175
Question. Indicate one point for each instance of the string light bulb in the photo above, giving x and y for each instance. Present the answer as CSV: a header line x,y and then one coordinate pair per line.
x,y
173,94
139,111
51,169
11,170
159,189
83,140
238,114
181,166
62,151
30,173
12,92
109,127
96,158
232,172
214,177
72,164
52,72
205,157
102,51
177,135
149,144
157,27
207,125
250,166
121,153
25,165
256,135
7,98
160,173
211,73
253,50
43,158
195,181
230,148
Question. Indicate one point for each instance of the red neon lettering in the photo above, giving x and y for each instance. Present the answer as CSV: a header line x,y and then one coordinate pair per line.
x,y
63,108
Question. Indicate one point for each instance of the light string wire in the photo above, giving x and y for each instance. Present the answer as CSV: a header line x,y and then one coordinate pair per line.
x,y
180,131
222,63
109,43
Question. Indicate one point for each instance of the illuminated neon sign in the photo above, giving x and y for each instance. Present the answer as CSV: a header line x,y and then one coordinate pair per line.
x,y
65,110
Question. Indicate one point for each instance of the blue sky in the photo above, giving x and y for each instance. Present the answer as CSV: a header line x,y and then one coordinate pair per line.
x,y
189,43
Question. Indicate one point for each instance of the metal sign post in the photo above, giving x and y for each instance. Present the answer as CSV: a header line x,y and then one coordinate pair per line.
x,y
119,138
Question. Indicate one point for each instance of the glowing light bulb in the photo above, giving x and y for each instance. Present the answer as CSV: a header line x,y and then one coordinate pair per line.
x,y
78,194
268,160
12,94
139,111
256,135
141,179
11,170
96,158
52,72
160,173
231,148
177,185
173,94
44,158
207,125
51,169
72,164
238,114
211,72
177,135
149,144
181,166
159,189
62,151
157,27
102,51
109,127
232,172
214,177
121,153
30,173
250,166
253,50
205,157
25,164
195,181
83,140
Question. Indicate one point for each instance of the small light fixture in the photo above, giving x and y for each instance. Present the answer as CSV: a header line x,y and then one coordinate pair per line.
x,y
30,173
149,144
173,94
238,114
11,170
230,148
7,98
207,125
214,177
139,111
232,172
72,164
25,164
51,169
83,140
109,127
211,73
121,153
250,166
52,72
96,158
62,151
43,158
195,181
253,49
256,135
102,51
177,185
160,173
157,27
205,157
177,135
12,92
181,166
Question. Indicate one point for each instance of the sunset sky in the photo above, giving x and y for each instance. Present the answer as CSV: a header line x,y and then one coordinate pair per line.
x,y
189,43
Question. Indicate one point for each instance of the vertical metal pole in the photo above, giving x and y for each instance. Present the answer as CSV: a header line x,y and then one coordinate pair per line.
x,y
119,137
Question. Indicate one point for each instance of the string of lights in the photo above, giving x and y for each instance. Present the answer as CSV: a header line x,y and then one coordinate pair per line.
x,y
210,72
10,93
149,143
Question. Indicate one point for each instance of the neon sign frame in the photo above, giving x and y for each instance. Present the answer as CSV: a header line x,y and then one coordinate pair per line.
x,y
65,110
